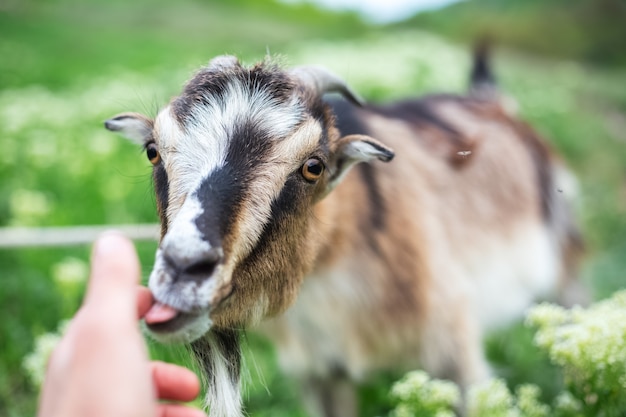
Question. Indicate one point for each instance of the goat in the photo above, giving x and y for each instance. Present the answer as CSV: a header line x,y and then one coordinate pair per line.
x,y
268,222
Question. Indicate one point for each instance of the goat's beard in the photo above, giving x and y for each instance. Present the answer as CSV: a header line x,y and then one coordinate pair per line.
x,y
218,355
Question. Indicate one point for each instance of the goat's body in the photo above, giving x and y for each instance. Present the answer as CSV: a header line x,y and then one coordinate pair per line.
x,y
424,270
348,270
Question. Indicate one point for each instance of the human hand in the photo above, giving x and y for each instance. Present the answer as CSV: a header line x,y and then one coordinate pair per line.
x,y
101,366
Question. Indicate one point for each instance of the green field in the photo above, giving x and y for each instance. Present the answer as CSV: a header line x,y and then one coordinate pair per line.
x,y
67,66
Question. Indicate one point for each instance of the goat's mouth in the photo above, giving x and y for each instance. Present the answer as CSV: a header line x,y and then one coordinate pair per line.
x,y
184,304
164,318
168,324
173,325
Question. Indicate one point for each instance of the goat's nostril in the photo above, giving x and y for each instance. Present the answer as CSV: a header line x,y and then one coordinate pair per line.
x,y
204,264
204,267
198,267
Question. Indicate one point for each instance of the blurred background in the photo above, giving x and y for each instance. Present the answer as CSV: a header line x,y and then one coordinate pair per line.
x,y
67,65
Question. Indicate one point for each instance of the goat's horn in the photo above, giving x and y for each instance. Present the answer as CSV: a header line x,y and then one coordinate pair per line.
x,y
224,62
321,81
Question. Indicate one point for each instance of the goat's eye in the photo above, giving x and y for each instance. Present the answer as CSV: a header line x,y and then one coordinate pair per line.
x,y
312,169
153,153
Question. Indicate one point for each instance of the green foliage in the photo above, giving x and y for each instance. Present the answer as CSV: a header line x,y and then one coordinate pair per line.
x,y
588,30
35,362
589,345
61,42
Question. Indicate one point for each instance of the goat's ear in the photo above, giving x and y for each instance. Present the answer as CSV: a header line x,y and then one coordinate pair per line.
x,y
353,149
134,126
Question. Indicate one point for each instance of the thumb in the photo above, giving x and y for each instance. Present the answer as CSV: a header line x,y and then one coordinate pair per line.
x,y
114,275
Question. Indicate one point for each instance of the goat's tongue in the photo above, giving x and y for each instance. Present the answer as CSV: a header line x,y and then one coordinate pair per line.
x,y
160,313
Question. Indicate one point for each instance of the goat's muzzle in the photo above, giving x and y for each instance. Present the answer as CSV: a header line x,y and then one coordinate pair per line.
x,y
187,284
197,267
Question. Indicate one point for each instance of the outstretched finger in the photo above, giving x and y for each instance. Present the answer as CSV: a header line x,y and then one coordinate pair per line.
x,y
178,410
114,275
174,382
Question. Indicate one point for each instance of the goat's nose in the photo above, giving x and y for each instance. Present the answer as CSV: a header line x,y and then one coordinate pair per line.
x,y
197,267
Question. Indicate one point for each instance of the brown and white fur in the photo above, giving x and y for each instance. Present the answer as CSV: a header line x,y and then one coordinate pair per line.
x,y
367,267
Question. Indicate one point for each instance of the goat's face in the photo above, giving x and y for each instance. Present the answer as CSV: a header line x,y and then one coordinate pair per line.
x,y
240,158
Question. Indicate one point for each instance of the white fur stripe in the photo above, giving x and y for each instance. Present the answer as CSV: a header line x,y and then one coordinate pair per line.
x,y
223,395
190,155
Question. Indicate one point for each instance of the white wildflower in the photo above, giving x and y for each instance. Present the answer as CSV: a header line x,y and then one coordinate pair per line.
x,y
28,207
565,402
70,271
546,314
590,345
419,395
403,410
36,362
528,401
412,382
491,398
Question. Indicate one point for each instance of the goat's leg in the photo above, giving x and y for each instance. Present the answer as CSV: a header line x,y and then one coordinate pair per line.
x,y
329,397
455,348
471,365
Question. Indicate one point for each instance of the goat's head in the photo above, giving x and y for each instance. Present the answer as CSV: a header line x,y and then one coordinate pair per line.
x,y
240,158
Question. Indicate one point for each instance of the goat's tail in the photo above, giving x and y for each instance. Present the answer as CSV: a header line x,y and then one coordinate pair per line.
x,y
482,82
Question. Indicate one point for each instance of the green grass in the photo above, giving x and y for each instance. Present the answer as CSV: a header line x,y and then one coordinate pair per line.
x,y
67,66
584,30
62,42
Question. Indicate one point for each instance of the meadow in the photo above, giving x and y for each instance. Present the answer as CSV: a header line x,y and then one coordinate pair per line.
x,y
67,66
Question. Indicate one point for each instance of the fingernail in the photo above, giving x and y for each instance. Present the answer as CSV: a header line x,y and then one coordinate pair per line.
x,y
108,242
